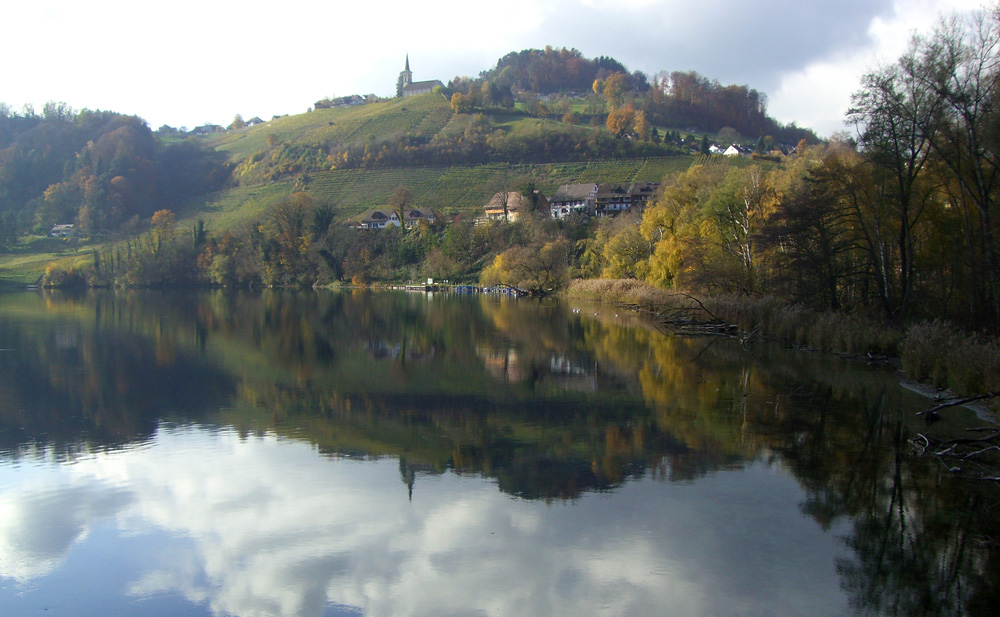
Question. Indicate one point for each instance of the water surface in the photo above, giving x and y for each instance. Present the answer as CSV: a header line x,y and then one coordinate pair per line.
x,y
306,454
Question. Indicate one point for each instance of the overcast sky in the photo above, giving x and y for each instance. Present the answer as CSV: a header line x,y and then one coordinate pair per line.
x,y
204,61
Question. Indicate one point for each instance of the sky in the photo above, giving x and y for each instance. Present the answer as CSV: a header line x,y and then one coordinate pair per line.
x,y
204,61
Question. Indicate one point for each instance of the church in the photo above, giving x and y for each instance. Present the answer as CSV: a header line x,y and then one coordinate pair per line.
x,y
405,86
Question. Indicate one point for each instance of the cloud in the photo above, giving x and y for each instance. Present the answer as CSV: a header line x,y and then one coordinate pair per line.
x,y
817,92
270,527
203,62
38,525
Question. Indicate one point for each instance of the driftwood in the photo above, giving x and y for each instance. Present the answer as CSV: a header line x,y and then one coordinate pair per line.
x,y
688,320
961,401
965,450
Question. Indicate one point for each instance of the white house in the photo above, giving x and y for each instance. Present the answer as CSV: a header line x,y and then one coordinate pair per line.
x,y
573,198
379,219
61,231
734,150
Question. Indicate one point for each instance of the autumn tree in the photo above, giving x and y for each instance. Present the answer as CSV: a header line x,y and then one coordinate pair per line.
x,y
461,103
163,227
675,228
399,201
534,270
957,69
614,88
624,251
738,210
621,120
291,241
895,115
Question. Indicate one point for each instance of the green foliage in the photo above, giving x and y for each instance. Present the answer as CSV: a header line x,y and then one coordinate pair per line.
x,y
99,170
539,268
57,276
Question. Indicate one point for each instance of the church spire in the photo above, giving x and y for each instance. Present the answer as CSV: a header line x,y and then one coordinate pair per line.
x,y
405,77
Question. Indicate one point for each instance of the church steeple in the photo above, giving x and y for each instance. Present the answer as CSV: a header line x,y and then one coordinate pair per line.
x,y
405,78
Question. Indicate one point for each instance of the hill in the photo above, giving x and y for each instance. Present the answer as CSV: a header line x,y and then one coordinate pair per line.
x,y
531,120
454,189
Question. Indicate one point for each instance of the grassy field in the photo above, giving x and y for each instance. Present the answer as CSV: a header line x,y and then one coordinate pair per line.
x,y
236,207
422,116
458,189
27,262
464,189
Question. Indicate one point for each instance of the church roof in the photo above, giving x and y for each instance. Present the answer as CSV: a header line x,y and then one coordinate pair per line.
x,y
423,85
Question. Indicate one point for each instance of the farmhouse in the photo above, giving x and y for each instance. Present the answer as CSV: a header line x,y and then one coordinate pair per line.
x,y
571,198
510,204
380,219
415,216
613,199
61,231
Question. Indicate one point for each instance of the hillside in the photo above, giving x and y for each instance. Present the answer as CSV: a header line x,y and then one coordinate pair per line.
x,y
453,189
516,125
288,154
422,117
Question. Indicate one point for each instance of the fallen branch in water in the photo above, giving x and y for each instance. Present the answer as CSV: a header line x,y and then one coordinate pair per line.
x,y
963,448
961,401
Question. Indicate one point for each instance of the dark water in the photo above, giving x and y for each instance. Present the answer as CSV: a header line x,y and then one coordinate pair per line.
x,y
306,454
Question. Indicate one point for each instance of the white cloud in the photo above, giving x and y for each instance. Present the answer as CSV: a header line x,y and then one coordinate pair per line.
x,y
818,94
205,62
270,527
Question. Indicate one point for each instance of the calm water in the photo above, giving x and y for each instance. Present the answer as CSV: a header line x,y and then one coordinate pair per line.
x,y
307,454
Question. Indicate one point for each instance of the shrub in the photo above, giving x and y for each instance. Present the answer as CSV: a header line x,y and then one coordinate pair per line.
x,y
56,276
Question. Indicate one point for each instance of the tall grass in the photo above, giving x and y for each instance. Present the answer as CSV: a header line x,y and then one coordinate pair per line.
x,y
766,316
798,325
945,356
934,351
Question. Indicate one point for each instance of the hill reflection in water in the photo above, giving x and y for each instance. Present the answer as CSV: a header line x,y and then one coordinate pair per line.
x,y
341,453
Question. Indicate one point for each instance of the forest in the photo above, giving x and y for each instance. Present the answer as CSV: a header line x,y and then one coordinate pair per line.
x,y
102,171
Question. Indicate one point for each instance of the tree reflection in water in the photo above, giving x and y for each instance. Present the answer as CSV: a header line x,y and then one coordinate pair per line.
x,y
547,401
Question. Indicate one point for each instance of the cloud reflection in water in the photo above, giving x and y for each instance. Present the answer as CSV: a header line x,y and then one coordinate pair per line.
x,y
274,528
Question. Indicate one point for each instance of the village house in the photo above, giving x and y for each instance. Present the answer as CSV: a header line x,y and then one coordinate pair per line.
x,y
380,219
642,192
415,216
510,204
207,129
613,199
61,231
570,198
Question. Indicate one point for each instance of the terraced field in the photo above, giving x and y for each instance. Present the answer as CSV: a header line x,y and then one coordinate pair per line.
x,y
464,189
421,116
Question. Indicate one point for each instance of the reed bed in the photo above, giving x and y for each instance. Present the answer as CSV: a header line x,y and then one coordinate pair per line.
x,y
929,351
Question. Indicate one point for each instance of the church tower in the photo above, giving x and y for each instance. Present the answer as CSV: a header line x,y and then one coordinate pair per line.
x,y
405,78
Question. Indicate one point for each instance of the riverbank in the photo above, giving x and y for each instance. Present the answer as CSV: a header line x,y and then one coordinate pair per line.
x,y
935,355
